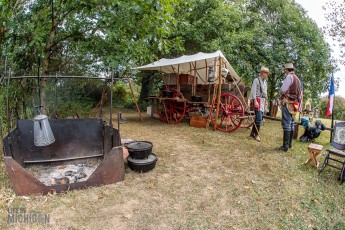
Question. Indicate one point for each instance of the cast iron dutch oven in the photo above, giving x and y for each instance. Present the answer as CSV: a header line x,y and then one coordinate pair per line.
x,y
142,165
196,98
139,149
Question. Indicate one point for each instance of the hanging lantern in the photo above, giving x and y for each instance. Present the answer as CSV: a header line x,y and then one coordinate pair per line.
x,y
224,72
43,134
210,74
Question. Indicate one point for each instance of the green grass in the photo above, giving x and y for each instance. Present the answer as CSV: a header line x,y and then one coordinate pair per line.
x,y
204,179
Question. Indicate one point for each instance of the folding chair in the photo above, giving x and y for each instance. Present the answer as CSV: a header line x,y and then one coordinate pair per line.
x,y
338,142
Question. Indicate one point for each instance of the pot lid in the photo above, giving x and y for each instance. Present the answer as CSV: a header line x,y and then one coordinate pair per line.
x,y
40,117
139,145
150,159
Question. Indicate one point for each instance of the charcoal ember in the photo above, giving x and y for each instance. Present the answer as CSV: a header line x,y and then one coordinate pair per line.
x,y
80,168
69,173
73,179
80,175
64,180
54,181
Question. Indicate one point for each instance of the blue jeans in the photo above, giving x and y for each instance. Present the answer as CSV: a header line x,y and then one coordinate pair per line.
x,y
287,119
258,117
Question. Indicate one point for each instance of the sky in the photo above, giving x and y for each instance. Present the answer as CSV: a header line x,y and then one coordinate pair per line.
x,y
315,12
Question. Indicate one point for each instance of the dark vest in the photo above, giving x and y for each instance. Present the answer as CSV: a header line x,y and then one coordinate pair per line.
x,y
294,91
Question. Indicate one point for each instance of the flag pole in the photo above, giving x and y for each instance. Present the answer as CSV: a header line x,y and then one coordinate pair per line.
x,y
330,140
332,125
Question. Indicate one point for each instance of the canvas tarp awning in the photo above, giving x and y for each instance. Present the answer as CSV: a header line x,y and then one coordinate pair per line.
x,y
196,65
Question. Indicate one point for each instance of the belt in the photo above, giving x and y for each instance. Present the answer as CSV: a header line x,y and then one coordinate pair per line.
x,y
293,99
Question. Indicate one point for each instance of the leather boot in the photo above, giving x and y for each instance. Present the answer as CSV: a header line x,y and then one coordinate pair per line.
x,y
257,137
286,141
290,140
252,134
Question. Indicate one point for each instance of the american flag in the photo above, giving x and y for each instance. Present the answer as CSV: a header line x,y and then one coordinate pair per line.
x,y
329,109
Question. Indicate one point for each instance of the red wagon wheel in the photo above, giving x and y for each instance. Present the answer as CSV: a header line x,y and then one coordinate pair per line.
x,y
247,122
172,110
250,117
230,113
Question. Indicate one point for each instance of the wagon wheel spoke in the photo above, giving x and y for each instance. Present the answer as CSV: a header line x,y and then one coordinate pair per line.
x,y
174,110
234,119
249,121
229,122
222,119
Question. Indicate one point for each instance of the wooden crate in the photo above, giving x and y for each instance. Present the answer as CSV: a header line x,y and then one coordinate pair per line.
x,y
198,121
186,79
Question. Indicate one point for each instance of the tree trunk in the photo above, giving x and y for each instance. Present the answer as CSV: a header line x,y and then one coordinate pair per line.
x,y
146,86
45,68
272,83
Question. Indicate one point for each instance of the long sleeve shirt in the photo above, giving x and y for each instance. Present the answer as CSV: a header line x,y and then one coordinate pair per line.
x,y
286,84
259,89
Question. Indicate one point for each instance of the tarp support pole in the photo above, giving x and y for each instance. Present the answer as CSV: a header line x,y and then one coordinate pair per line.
x,y
219,91
194,80
178,77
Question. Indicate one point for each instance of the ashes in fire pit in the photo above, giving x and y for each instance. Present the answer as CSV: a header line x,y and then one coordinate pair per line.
x,y
63,174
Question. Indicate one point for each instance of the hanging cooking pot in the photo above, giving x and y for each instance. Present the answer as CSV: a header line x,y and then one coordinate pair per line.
x,y
43,134
142,165
139,149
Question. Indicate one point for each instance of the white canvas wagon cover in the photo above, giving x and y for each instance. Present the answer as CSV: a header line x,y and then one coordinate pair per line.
x,y
196,65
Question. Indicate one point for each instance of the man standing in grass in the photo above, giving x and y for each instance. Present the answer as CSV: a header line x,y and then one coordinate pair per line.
x,y
290,94
275,106
259,98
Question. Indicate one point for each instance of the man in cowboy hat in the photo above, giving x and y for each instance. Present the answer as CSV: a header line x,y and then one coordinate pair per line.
x,y
259,98
290,95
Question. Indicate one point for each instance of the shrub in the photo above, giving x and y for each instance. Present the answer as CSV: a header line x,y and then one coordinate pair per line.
x,y
338,107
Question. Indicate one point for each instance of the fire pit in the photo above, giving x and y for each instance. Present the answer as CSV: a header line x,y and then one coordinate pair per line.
x,y
62,154
32,169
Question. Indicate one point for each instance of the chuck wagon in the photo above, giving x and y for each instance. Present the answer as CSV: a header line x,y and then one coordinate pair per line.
x,y
202,87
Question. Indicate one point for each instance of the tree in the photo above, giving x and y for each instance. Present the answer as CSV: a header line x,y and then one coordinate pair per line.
x,y
335,15
83,37
288,35
137,32
92,37
338,107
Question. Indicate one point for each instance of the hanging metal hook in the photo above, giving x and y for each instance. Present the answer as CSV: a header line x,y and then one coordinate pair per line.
x,y
120,120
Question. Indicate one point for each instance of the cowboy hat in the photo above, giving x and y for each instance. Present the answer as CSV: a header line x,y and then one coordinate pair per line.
x,y
289,66
264,69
